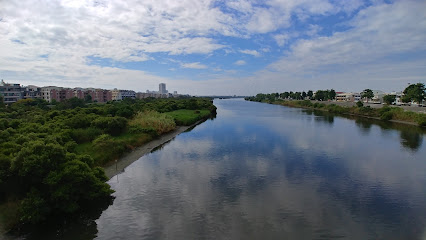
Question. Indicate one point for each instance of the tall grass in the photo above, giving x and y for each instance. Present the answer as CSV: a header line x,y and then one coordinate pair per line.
x,y
161,122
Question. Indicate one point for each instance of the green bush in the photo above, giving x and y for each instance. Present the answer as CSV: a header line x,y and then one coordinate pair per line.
x,y
422,121
384,110
5,163
306,103
107,148
110,125
386,116
79,121
82,135
139,129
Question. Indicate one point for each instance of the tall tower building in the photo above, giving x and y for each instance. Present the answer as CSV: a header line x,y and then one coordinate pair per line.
x,y
162,88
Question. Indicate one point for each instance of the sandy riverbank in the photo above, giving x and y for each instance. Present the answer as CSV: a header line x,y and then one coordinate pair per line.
x,y
113,168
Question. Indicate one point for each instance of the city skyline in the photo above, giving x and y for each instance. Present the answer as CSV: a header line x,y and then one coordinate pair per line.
x,y
215,47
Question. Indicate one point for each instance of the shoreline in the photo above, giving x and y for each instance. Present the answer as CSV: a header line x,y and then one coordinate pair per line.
x,y
350,114
113,168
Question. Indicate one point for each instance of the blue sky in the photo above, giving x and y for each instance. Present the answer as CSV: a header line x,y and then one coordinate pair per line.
x,y
207,47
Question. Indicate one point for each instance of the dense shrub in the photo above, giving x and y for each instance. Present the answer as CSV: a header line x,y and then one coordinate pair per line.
x,y
422,122
107,148
386,116
110,125
139,129
83,135
79,121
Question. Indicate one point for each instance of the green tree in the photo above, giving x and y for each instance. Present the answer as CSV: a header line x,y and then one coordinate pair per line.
x,y
310,94
71,103
389,99
58,183
367,93
286,95
321,95
2,105
298,95
331,94
4,168
414,92
110,125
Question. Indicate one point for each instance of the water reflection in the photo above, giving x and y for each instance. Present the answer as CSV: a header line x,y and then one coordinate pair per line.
x,y
80,227
364,125
323,117
411,139
274,174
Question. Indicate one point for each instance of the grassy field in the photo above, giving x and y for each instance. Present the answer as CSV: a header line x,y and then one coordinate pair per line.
x,y
186,117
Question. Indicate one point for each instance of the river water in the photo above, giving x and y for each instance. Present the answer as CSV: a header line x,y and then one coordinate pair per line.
x,y
261,171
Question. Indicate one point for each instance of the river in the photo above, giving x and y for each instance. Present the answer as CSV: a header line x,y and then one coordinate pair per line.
x,y
261,171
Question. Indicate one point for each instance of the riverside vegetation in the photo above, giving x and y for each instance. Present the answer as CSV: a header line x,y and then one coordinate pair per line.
x,y
385,113
51,155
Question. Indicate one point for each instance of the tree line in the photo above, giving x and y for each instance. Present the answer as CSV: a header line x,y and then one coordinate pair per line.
x,y
414,92
320,95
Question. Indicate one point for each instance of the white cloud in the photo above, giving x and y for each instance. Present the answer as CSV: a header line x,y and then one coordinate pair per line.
x,y
313,30
240,62
378,47
122,31
243,6
377,32
367,54
281,39
195,65
266,20
250,52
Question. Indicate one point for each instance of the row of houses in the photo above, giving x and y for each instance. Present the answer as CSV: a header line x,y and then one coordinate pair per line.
x,y
13,92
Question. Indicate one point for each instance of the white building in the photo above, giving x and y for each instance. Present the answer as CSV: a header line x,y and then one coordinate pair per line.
x,y
378,96
122,94
348,97
162,88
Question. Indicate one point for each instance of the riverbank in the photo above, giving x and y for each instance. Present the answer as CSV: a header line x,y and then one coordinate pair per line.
x,y
385,113
115,167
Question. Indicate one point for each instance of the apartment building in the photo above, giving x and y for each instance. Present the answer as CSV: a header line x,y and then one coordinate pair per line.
x,y
122,94
11,92
51,93
32,92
